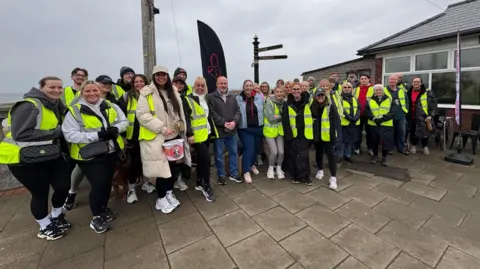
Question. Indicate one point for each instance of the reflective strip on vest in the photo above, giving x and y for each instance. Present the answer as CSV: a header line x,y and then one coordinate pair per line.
x,y
325,125
144,133
377,110
275,129
347,108
424,103
308,120
131,114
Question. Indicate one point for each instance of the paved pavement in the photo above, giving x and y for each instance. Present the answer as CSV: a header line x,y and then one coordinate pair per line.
x,y
371,222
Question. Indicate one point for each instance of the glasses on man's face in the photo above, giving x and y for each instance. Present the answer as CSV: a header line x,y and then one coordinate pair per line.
x,y
80,76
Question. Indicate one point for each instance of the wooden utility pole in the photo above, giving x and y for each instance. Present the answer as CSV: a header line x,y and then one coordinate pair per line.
x,y
148,36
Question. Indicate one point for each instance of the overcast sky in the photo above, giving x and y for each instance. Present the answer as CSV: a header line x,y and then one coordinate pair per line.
x,y
51,37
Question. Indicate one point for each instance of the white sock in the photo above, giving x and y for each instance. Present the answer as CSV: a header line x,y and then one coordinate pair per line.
x,y
279,167
44,222
56,212
131,186
169,192
72,191
271,167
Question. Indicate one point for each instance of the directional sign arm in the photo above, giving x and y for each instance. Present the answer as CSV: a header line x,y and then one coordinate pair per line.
x,y
273,57
270,48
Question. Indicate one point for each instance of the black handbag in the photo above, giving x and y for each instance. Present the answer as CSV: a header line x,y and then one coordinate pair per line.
x,y
95,149
41,153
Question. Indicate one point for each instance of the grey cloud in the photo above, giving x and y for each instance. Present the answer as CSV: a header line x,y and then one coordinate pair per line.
x,y
52,37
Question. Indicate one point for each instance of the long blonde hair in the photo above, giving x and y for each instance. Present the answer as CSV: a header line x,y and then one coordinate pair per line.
x,y
202,79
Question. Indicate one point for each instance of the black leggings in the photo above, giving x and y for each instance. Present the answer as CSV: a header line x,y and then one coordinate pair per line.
x,y
38,178
99,173
166,184
363,126
135,169
413,138
326,147
203,162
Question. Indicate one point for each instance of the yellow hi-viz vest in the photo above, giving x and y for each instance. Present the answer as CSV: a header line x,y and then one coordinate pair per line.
x,y
144,133
308,120
401,97
325,125
10,149
347,108
131,111
188,90
424,102
117,91
275,129
198,121
68,96
89,123
377,110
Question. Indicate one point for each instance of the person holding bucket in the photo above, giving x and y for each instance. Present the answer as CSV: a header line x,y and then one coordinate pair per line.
x,y
162,136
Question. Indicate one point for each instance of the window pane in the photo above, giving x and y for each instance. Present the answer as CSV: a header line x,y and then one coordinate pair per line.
x,y
401,64
443,86
431,61
470,58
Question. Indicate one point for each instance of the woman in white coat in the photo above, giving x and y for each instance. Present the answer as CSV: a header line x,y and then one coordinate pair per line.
x,y
162,119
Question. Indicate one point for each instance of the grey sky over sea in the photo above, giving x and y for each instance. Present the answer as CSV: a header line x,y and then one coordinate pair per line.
x,y
53,37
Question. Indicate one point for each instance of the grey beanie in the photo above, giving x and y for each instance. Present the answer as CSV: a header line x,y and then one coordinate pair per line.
x,y
124,70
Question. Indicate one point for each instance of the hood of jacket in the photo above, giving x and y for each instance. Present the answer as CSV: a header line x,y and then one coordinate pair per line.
x,y
82,101
47,102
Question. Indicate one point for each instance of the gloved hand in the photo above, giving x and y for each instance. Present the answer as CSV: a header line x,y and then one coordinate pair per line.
x,y
110,133
113,130
378,121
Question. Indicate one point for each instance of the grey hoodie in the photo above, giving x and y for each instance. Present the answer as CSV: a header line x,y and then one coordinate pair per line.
x,y
24,118
270,109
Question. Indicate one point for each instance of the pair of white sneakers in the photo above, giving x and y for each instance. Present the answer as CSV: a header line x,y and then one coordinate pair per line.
x,y
168,203
332,180
147,186
271,172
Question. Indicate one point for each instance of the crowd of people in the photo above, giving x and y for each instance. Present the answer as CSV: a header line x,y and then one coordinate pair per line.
x,y
57,136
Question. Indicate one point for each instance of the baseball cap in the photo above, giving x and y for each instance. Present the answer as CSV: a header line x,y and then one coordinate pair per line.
x,y
158,69
104,79
178,78
319,92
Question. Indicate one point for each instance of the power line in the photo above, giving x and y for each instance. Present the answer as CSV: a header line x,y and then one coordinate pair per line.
x,y
434,4
176,33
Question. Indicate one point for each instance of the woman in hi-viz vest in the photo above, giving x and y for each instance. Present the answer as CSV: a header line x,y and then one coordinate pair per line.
x,y
297,125
350,121
135,172
380,120
92,128
163,142
273,132
31,149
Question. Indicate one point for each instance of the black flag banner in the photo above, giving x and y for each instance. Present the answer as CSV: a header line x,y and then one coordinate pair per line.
x,y
213,59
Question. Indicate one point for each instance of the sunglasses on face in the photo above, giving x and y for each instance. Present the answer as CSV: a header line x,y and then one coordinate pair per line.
x,y
347,87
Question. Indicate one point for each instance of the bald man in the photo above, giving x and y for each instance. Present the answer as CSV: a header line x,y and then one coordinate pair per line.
x,y
225,113
399,97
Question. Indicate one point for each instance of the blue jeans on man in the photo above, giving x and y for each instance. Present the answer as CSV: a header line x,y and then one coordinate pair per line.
x,y
219,147
399,126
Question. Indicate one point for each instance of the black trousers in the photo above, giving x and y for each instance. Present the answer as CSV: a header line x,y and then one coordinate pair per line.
x,y
135,169
166,184
37,179
413,138
299,155
99,173
328,148
363,126
203,162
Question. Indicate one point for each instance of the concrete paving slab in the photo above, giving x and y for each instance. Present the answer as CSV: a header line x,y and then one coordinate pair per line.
x,y
323,220
222,205
366,247
427,191
363,216
329,198
255,202
351,263
92,259
31,262
363,196
233,227
361,181
472,224
458,188
293,200
408,215
454,258
279,223
446,212
421,246
405,261
306,245
395,193
260,252
144,257
272,187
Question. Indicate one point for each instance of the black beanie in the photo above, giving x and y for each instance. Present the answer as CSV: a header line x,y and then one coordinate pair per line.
x,y
178,71
124,70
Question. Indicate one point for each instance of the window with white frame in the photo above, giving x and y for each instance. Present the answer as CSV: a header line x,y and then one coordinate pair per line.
x,y
438,73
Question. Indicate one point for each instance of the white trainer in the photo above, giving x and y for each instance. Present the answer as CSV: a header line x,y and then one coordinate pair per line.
x,y
247,177
180,184
270,173
413,150
148,187
172,199
333,183
164,206
131,196
255,170
426,151
319,174
280,173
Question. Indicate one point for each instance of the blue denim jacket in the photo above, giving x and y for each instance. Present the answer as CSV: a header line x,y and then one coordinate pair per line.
x,y
258,101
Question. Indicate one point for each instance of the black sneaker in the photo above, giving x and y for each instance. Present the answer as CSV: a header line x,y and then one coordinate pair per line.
x,y
99,225
222,180
199,185
208,193
296,181
384,162
70,201
51,232
237,179
108,214
373,159
61,222
308,181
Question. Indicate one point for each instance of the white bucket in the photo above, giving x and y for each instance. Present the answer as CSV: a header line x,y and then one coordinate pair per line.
x,y
174,149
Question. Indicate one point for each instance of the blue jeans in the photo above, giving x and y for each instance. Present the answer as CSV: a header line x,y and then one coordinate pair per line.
x,y
218,147
251,138
347,150
399,129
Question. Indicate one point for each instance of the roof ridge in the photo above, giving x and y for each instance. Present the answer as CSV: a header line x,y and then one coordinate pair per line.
x,y
460,3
